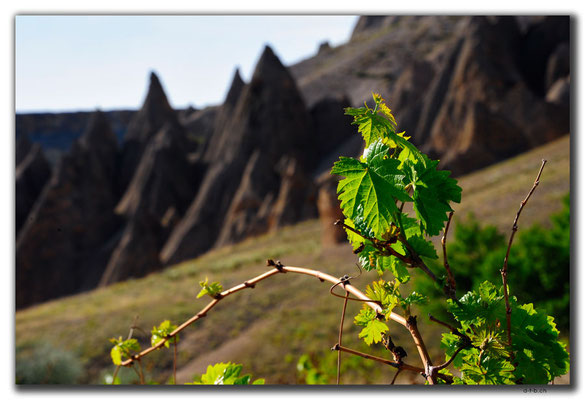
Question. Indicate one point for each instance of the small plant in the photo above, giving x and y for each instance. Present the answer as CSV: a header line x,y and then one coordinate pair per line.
x,y
491,338
225,374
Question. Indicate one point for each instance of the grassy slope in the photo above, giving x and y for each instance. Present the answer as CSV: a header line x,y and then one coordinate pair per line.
x,y
269,327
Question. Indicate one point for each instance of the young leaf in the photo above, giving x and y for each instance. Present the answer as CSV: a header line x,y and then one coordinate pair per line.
x,y
213,289
395,265
384,293
433,190
116,355
163,331
416,298
373,328
473,309
372,333
365,315
225,374
374,184
123,349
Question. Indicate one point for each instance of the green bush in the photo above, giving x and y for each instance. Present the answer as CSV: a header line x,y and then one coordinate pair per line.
x,y
45,364
539,263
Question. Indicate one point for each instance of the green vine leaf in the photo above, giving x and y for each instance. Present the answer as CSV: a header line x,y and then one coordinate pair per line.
x,y
213,289
415,299
375,185
225,374
379,124
162,332
433,191
123,349
373,328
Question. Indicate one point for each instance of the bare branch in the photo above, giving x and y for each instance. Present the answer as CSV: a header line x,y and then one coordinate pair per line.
x,y
250,283
504,270
340,336
445,260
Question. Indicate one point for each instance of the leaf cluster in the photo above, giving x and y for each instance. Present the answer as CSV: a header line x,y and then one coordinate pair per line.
x,y
540,260
162,332
123,349
213,289
536,355
390,173
225,374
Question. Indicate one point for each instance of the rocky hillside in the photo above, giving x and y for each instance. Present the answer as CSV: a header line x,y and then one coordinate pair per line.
x,y
137,191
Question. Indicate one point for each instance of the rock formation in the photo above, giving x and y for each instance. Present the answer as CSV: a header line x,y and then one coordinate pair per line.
x,y
221,136
32,173
22,148
63,248
489,112
158,195
152,116
470,91
270,120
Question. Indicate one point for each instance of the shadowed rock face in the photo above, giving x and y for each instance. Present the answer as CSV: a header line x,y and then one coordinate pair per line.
x,y
488,112
31,174
152,116
158,195
22,148
221,136
63,248
270,120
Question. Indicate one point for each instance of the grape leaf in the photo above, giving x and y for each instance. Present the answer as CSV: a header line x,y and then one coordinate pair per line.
x,y
373,328
540,355
374,184
395,265
372,333
225,374
365,315
213,289
416,298
381,125
384,293
433,190
163,331
474,308
123,348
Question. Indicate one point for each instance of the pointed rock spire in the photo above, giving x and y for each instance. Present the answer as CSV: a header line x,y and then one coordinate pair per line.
x,y
23,146
61,249
31,174
270,119
235,89
152,116
98,132
268,64
220,135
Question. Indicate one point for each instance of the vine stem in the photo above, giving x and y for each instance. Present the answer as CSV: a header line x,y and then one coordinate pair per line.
x,y
445,260
340,336
250,284
504,270
175,362
279,268
401,366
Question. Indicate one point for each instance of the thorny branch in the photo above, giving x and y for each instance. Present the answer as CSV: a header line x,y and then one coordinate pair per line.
x,y
504,270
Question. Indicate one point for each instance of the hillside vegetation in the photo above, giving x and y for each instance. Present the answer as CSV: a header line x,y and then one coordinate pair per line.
x,y
267,328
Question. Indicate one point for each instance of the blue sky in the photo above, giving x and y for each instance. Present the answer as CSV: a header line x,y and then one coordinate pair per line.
x,y
84,62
